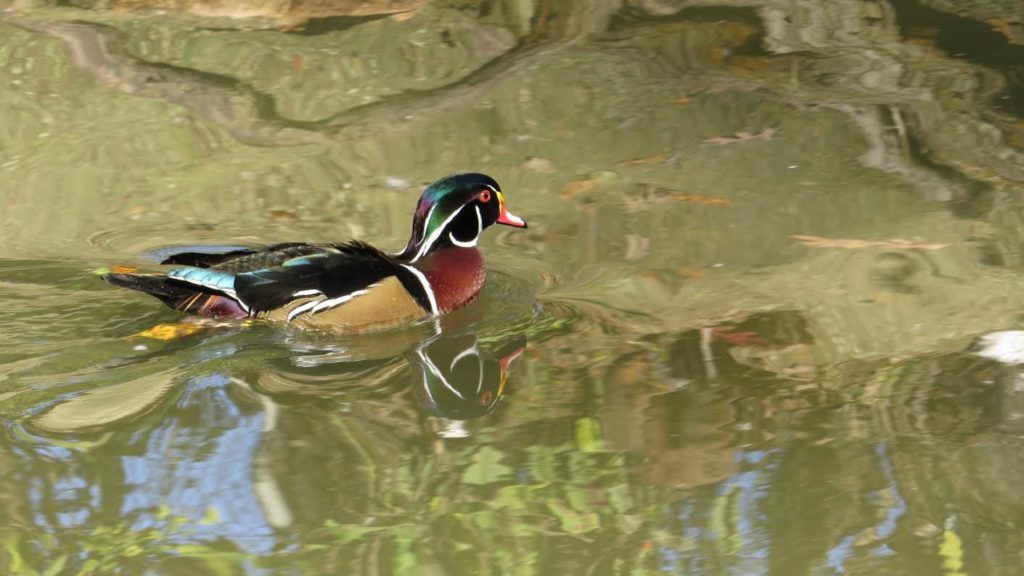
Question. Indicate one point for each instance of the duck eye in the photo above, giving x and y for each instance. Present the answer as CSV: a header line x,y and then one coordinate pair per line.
x,y
485,196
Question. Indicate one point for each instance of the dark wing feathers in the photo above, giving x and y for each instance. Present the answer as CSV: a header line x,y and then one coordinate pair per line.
x,y
345,269
268,278
205,259
248,259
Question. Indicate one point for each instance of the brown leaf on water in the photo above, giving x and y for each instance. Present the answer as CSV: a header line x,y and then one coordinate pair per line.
x,y
766,134
577,187
695,199
854,244
649,160
681,101
167,332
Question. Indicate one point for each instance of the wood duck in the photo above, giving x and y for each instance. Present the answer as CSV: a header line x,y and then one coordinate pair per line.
x,y
346,286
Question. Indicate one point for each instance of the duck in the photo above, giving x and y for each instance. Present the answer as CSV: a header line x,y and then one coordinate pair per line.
x,y
350,286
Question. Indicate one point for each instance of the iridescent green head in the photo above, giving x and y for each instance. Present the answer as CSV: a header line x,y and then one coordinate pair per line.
x,y
453,211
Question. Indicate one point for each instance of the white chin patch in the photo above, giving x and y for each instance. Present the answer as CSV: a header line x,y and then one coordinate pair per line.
x,y
460,243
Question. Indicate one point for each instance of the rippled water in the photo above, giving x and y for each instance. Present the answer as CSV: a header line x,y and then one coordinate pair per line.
x,y
758,324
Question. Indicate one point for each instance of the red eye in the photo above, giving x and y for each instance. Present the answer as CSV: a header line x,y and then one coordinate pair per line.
x,y
485,196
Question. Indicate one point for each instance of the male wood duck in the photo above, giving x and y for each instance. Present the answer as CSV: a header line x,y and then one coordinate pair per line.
x,y
347,286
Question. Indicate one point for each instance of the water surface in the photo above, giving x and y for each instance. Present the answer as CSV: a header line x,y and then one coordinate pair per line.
x,y
741,335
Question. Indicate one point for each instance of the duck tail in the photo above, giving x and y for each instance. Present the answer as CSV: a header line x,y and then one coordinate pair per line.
x,y
177,296
152,284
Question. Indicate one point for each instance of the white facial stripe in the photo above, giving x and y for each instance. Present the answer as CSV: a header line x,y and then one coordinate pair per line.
x,y
471,350
437,373
479,229
479,361
426,287
425,247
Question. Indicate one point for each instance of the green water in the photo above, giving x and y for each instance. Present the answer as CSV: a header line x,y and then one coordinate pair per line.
x,y
739,333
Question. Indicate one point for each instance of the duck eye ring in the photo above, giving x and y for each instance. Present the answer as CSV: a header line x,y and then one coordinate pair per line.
x,y
485,196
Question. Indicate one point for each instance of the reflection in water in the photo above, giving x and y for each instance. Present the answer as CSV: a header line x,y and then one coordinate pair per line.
x,y
458,382
767,237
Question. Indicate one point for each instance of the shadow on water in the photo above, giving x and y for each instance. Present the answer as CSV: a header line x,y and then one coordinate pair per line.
x,y
762,322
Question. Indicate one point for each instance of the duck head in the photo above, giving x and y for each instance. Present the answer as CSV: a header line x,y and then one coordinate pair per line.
x,y
458,381
453,212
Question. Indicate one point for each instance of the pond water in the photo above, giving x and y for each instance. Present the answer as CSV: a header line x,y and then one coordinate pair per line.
x,y
761,322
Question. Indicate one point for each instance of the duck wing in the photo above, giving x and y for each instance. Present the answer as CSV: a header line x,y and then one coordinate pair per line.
x,y
327,275
248,259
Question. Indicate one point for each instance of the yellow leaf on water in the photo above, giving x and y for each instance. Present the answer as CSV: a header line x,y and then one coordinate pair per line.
x,y
952,553
170,331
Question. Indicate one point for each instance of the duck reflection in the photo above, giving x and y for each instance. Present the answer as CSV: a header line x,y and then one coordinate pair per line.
x,y
457,381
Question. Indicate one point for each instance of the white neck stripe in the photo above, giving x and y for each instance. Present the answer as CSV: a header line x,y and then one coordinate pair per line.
x,y
426,288
425,247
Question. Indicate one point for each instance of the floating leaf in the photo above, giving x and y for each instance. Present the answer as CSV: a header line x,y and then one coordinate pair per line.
x,y
952,553
170,331
681,101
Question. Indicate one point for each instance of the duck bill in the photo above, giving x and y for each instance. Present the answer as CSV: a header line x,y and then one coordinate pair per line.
x,y
508,358
507,218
